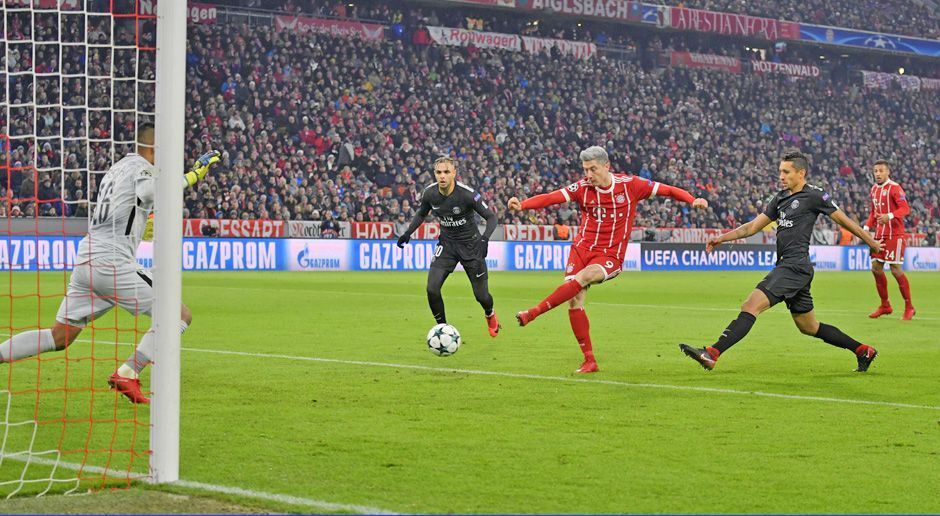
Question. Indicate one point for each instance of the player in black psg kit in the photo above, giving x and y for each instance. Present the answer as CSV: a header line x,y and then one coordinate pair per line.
x,y
795,210
454,204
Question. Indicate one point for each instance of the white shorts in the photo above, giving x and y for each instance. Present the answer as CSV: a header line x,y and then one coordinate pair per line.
x,y
95,289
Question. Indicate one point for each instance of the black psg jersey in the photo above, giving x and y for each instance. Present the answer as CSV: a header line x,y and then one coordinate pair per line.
x,y
795,215
455,211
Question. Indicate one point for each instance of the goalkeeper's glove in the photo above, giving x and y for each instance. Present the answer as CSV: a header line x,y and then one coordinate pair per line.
x,y
404,239
148,229
201,167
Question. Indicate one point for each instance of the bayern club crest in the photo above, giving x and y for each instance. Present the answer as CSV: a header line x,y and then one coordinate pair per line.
x,y
621,199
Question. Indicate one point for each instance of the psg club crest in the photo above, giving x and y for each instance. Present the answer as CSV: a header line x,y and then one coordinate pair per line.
x,y
621,199
456,210
795,204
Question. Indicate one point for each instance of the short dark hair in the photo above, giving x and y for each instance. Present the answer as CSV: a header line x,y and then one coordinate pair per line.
x,y
799,160
882,162
146,131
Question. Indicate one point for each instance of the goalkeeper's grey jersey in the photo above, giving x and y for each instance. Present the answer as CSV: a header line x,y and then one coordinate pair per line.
x,y
125,200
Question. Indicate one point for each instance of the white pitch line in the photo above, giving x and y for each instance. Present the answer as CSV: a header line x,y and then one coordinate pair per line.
x,y
690,388
687,308
201,486
525,376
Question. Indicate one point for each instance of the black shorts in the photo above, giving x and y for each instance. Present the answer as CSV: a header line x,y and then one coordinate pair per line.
x,y
790,285
449,253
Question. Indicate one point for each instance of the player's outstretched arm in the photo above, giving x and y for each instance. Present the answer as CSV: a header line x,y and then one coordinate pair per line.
x,y
743,231
538,201
201,167
843,220
680,195
419,217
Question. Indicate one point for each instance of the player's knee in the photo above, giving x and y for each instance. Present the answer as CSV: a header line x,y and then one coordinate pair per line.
x,y
806,329
897,271
63,335
434,290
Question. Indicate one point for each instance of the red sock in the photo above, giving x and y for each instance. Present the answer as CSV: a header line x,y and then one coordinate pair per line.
x,y
566,291
714,352
881,283
905,288
582,331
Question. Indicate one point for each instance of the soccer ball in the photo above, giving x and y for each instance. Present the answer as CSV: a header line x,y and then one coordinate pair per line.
x,y
443,340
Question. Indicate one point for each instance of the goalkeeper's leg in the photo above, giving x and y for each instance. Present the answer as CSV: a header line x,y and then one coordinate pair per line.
x,y
143,355
33,342
126,379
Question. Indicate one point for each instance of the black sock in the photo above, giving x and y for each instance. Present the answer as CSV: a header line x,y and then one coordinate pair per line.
x,y
735,331
436,279
834,336
481,292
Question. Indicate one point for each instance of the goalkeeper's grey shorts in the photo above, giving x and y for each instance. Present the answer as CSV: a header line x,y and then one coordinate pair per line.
x,y
94,289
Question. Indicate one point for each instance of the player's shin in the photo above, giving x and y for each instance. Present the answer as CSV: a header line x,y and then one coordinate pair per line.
x,y
905,288
27,344
834,336
562,294
735,331
581,327
143,355
881,284
436,279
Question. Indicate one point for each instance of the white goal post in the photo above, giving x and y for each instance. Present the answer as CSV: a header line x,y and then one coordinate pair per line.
x,y
168,236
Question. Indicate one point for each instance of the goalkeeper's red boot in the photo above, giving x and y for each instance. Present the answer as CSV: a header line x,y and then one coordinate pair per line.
x,y
589,366
492,324
129,387
881,310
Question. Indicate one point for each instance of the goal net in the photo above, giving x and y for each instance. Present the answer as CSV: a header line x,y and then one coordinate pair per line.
x,y
78,79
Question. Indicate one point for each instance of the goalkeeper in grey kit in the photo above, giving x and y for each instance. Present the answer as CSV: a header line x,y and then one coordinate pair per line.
x,y
454,204
106,272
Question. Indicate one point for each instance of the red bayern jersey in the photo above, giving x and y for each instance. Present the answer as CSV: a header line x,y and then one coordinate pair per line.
x,y
607,214
888,198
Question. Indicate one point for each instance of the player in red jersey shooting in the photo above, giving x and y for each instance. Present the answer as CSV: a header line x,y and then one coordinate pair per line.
x,y
608,206
888,209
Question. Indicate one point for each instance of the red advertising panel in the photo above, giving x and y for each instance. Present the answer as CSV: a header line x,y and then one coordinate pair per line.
x,y
227,228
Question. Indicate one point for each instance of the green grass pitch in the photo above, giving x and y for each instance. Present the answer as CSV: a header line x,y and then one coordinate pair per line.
x,y
318,385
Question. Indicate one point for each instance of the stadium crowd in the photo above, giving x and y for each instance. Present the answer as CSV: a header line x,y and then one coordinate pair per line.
x,y
326,128
904,17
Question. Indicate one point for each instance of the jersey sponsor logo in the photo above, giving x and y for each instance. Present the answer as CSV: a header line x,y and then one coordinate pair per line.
x,y
449,222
